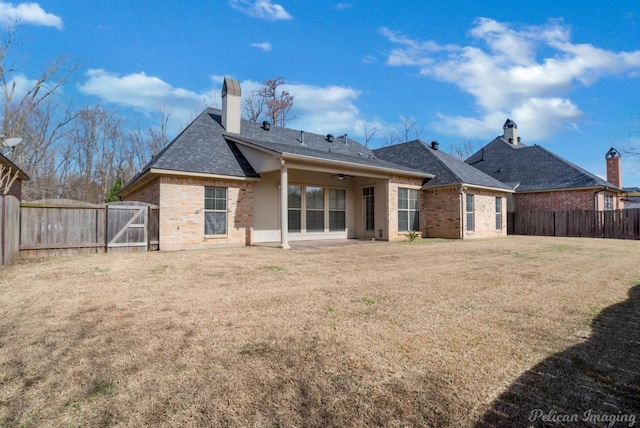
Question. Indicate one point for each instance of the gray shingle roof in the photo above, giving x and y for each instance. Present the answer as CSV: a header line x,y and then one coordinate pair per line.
x,y
205,147
532,168
202,148
363,156
447,169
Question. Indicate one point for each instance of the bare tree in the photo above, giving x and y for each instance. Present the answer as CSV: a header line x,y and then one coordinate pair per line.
x,y
410,129
253,106
93,154
31,110
144,144
277,104
632,147
462,150
369,134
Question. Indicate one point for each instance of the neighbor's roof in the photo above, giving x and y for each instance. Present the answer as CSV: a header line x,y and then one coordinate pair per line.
x,y
204,147
447,169
532,168
4,161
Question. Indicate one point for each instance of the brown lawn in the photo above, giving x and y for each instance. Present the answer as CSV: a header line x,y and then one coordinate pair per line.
x,y
429,333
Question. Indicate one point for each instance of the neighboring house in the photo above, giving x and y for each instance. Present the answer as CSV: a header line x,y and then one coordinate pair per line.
x,y
8,172
229,181
631,197
542,180
460,201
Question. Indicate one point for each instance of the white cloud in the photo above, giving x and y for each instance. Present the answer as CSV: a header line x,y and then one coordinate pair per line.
x,y
343,6
322,110
28,13
146,94
506,73
265,46
262,9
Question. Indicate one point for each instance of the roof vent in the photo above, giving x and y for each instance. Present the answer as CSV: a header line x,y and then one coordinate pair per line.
x,y
302,138
330,138
345,138
266,125
434,145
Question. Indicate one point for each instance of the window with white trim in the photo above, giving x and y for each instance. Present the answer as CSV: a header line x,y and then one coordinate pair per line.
x,y
608,202
337,210
498,213
470,213
314,204
408,210
294,202
215,210
322,206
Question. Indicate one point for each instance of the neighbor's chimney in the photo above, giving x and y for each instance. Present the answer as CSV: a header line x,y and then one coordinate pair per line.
x,y
511,132
231,105
614,175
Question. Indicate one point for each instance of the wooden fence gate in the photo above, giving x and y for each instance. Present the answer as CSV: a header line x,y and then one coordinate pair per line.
x,y
62,227
131,225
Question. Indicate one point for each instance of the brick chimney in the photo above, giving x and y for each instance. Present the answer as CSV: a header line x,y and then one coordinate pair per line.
x,y
614,166
511,132
231,97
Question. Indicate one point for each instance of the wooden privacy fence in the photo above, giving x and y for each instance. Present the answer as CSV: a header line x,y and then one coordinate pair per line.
x,y
63,227
615,224
9,230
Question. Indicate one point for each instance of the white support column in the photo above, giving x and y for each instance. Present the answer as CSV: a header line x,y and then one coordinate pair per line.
x,y
284,206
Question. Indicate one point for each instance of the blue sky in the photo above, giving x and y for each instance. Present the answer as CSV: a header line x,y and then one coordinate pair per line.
x,y
567,72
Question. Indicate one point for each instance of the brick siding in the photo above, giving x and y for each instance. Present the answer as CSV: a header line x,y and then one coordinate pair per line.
x,y
181,202
396,182
485,214
563,200
441,210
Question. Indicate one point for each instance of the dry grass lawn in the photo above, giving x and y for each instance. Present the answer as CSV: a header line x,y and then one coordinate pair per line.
x,y
429,333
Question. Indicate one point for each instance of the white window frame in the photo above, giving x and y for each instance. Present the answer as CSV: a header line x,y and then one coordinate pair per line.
x,y
216,209
326,209
470,213
608,202
412,206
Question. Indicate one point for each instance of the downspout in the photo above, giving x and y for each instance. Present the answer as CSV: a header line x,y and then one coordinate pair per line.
x,y
463,217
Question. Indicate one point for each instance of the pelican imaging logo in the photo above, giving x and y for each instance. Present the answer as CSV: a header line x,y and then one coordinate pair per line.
x,y
589,416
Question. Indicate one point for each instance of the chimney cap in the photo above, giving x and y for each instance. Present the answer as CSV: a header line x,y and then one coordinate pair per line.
x,y
613,153
231,87
509,124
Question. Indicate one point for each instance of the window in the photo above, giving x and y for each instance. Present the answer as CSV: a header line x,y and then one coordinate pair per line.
x,y
498,213
311,208
408,210
608,202
215,210
315,209
337,209
294,199
470,216
369,208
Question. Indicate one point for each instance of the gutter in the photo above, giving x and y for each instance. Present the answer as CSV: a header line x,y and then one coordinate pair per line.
x,y
466,185
152,173
291,156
